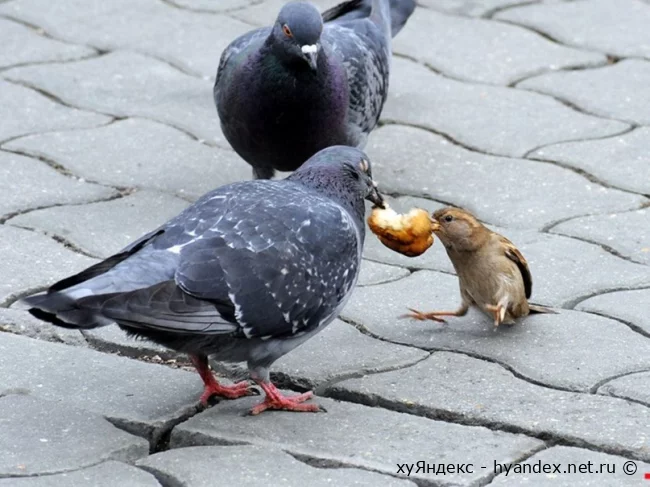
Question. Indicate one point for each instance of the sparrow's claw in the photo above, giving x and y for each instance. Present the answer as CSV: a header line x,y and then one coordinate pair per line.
x,y
422,316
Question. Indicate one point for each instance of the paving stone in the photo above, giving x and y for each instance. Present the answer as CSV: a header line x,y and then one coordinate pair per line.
x,y
103,229
139,153
617,91
45,437
106,474
31,260
633,386
504,191
20,322
627,233
569,350
212,5
22,45
266,11
190,40
129,84
485,51
373,273
253,466
26,183
138,396
628,306
374,439
480,392
474,8
311,365
567,456
619,28
32,112
623,161
115,340
520,121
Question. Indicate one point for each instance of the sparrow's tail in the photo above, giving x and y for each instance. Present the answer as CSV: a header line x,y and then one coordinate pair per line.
x,y
537,309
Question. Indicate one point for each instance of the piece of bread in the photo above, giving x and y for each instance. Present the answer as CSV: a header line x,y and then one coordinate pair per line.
x,y
410,234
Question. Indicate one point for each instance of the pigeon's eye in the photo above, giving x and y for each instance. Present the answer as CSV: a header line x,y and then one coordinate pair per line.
x,y
449,218
287,31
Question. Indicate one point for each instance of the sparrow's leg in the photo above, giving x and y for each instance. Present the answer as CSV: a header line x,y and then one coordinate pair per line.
x,y
276,400
212,387
434,315
499,311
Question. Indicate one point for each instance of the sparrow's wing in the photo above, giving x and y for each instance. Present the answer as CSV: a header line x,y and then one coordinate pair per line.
x,y
514,255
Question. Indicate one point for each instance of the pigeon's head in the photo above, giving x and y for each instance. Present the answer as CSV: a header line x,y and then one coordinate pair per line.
x,y
341,172
296,34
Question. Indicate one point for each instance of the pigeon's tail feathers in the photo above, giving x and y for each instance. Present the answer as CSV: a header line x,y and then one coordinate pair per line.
x,y
400,12
395,12
380,15
62,310
537,309
349,10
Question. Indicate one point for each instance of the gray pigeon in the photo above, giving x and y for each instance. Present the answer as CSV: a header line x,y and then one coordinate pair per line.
x,y
247,273
309,82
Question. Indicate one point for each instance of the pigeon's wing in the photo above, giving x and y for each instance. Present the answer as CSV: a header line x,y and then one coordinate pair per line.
x,y
365,53
517,257
260,270
231,55
400,11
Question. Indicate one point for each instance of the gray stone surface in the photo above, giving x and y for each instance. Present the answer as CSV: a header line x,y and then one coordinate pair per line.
x,y
373,439
20,322
619,91
628,306
627,233
183,38
106,474
479,392
22,45
519,121
553,349
312,364
103,229
570,460
474,8
485,51
26,183
373,273
33,113
504,191
622,161
632,386
48,261
140,153
211,5
130,84
619,28
113,339
46,437
138,396
251,466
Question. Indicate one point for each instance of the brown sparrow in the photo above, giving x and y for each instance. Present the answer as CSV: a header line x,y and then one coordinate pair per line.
x,y
492,273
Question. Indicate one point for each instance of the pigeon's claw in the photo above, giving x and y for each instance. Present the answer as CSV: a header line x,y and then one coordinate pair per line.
x,y
235,391
276,400
422,316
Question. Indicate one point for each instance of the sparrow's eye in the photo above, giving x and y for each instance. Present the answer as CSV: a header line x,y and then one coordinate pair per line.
x,y
287,31
449,218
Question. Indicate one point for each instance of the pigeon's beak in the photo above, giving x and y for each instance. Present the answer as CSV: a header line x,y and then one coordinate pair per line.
x,y
310,53
375,197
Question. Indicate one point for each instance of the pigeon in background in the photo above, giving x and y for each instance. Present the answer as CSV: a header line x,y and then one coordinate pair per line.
x,y
308,82
247,273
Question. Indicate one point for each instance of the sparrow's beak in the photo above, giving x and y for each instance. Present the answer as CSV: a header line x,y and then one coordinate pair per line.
x,y
376,197
435,225
310,53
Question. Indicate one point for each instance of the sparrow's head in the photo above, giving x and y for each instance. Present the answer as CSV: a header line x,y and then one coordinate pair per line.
x,y
296,34
458,229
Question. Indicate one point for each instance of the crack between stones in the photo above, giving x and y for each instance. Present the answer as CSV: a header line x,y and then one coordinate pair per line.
x,y
632,326
16,137
85,57
363,329
41,31
387,281
59,239
497,10
599,384
50,474
15,297
572,303
211,12
439,414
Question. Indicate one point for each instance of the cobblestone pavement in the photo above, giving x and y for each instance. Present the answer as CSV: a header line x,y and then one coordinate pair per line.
x,y
534,114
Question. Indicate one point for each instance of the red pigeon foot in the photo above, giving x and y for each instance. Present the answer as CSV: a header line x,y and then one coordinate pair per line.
x,y
276,400
213,388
